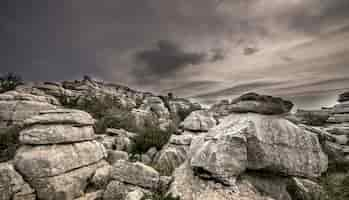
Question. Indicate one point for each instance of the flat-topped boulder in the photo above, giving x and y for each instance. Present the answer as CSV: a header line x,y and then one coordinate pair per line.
x,y
200,120
343,97
55,134
255,103
61,116
46,161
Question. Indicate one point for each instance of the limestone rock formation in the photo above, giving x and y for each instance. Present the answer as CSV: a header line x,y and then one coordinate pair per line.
x,y
252,102
201,120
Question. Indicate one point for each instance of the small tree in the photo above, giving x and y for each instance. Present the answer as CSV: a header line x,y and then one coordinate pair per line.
x,y
9,82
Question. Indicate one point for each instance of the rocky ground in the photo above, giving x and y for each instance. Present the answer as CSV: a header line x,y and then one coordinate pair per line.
x,y
90,140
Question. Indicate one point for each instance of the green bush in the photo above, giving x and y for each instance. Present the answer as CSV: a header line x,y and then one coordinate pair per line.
x,y
116,118
151,136
8,143
9,82
336,186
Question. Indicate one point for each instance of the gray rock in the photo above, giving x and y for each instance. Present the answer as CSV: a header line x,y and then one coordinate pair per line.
x,y
341,108
252,102
169,158
66,186
338,129
164,183
101,177
46,161
343,97
109,142
115,190
55,134
339,118
181,139
220,154
136,174
337,154
97,195
200,120
61,116
12,185
187,186
277,145
114,156
146,159
305,189
271,185
135,195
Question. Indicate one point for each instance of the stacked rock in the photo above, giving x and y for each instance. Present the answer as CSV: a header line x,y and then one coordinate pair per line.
x,y
338,127
253,136
59,153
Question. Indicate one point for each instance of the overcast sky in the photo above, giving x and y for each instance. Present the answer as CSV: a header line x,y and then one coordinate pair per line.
x,y
205,49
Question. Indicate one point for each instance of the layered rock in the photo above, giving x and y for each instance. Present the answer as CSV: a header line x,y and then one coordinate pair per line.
x,y
12,185
252,102
187,186
16,106
199,121
59,154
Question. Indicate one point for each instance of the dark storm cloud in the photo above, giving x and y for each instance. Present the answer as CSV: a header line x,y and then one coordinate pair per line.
x,y
166,58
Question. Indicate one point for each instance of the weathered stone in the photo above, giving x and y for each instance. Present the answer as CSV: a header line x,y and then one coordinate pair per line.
x,y
305,189
97,195
66,186
200,120
115,190
61,116
181,139
114,156
101,177
338,129
277,145
46,161
220,154
55,134
169,158
341,108
271,185
187,186
343,97
164,183
136,174
339,118
135,195
337,154
12,185
109,142
252,102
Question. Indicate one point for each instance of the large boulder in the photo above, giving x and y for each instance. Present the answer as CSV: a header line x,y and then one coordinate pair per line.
x,y
12,185
339,118
169,158
52,160
341,108
272,144
200,120
221,155
252,102
69,185
187,186
136,174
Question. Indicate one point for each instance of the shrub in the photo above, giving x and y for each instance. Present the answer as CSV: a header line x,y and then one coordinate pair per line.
x,y
8,143
116,118
151,136
9,82
336,186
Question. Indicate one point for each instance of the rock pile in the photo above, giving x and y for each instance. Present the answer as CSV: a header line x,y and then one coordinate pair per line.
x,y
59,153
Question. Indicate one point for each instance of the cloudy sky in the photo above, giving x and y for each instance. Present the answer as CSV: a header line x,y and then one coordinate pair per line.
x,y
204,49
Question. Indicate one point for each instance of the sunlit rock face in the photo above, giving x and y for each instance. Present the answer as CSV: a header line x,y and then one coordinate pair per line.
x,y
199,121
